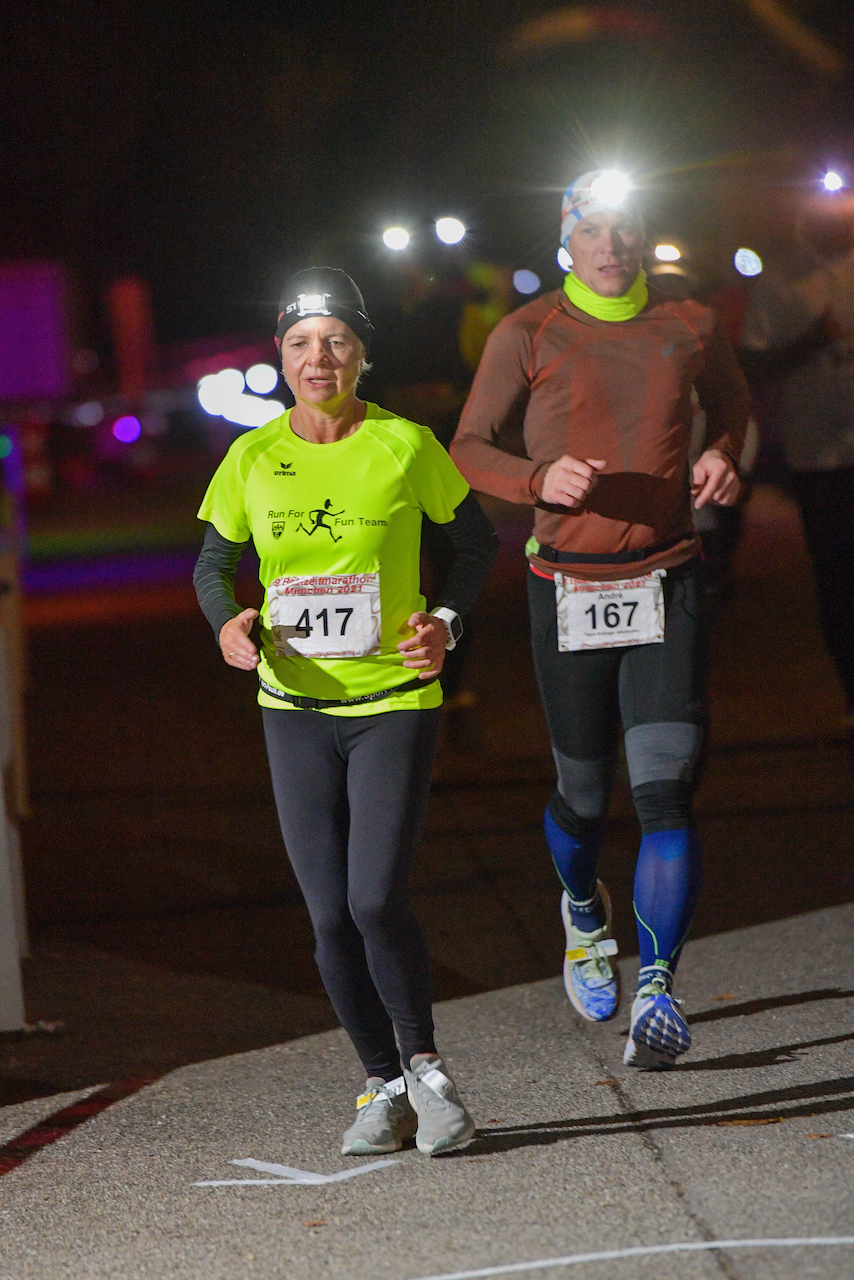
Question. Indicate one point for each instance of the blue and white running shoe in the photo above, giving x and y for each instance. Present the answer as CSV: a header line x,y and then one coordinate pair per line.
x,y
659,1032
591,981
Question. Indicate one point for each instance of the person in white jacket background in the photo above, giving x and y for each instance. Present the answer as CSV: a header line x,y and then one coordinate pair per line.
x,y
800,327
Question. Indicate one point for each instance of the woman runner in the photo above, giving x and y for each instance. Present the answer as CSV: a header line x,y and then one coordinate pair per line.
x,y
332,495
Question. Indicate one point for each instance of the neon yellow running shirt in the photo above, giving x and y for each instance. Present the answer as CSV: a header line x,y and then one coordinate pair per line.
x,y
351,507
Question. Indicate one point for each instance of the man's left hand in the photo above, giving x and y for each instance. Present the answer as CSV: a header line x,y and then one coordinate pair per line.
x,y
426,649
714,479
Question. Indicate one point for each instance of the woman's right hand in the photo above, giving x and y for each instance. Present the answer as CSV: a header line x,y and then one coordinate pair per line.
x,y
236,647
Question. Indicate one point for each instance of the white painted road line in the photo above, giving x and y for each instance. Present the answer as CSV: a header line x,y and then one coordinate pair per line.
x,y
640,1251
287,1176
253,1182
285,1171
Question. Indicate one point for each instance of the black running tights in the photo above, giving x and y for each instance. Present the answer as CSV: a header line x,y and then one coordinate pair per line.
x,y
351,794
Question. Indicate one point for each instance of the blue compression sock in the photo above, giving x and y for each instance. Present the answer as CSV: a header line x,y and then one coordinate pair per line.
x,y
667,881
576,860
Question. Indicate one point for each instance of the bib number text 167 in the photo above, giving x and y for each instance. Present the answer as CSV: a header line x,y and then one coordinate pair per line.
x,y
610,614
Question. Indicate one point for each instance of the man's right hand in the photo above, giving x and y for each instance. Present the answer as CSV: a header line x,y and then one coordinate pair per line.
x,y
569,481
235,645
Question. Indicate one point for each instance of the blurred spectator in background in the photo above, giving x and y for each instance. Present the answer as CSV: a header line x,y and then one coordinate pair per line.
x,y
491,299
437,331
719,528
799,330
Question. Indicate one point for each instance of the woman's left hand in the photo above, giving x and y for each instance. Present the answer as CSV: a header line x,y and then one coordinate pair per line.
x,y
426,649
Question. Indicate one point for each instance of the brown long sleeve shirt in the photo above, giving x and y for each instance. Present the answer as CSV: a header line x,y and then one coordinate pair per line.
x,y
603,389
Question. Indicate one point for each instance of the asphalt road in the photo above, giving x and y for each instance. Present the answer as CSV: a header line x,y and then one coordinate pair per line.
x,y
749,1140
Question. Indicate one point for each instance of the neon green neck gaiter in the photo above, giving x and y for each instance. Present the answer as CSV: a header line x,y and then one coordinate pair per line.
x,y
622,308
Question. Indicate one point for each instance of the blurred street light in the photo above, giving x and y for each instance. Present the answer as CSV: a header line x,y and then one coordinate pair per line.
x,y
525,282
396,238
667,253
249,411
217,388
221,395
89,414
127,429
563,259
832,181
450,230
261,378
747,263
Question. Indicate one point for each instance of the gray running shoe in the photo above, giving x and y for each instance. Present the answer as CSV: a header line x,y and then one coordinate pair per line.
x,y
443,1122
384,1119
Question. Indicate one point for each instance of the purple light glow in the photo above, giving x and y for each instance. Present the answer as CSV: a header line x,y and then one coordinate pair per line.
x,y
127,429
33,325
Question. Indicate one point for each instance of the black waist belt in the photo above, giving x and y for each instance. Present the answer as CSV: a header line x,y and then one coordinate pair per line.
x,y
614,557
320,704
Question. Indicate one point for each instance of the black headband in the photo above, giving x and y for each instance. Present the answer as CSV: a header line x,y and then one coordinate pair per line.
x,y
324,291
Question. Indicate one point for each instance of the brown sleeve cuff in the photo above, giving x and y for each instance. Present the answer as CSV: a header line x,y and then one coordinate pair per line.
x,y
535,482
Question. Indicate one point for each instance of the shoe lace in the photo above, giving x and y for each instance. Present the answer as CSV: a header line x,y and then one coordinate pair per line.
x,y
380,1098
596,969
657,987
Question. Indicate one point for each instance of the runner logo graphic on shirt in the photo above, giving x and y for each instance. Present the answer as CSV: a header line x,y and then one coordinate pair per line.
x,y
278,528
318,515
286,469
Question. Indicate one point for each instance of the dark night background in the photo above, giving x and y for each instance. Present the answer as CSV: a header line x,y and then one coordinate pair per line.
x,y
214,148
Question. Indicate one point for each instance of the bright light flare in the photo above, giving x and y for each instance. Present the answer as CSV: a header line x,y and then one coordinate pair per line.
x,y
218,389
221,395
262,378
231,380
127,429
667,253
396,238
747,263
249,411
525,282
610,188
832,181
450,230
563,259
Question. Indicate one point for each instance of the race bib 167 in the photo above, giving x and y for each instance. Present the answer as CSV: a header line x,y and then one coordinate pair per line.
x,y
335,615
608,615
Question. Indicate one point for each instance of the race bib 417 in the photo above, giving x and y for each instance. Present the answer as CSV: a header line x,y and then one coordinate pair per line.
x,y
334,615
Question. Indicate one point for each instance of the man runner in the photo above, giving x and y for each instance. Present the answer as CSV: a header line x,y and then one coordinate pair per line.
x,y
599,375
